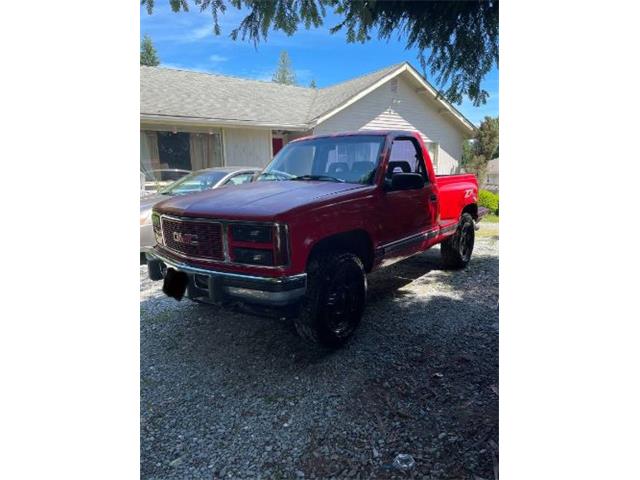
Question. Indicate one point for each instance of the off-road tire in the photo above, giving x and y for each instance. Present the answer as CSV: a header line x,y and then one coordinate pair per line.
x,y
457,249
334,302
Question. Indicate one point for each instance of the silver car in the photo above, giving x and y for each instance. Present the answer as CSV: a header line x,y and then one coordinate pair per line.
x,y
153,181
197,181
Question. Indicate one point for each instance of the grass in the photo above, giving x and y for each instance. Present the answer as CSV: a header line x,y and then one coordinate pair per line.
x,y
489,226
491,218
486,234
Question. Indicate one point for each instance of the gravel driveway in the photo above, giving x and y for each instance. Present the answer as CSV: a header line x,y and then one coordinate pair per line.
x,y
230,395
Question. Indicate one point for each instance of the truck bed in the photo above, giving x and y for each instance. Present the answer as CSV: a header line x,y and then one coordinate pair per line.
x,y
454,191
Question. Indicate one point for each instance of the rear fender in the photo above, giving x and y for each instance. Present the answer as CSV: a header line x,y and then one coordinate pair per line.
x,y
457,195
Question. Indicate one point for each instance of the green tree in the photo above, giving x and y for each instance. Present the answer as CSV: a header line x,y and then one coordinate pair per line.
x,y
488,137
284,73
148,54
477,152
461,37
468,151
313,84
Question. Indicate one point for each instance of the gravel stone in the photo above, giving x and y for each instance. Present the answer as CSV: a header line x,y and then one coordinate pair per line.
x,y
219,386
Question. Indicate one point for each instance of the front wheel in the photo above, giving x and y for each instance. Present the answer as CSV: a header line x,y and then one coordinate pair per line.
x,y
334,302
457,249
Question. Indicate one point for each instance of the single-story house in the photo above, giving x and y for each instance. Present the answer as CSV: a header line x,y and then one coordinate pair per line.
x,y
194,120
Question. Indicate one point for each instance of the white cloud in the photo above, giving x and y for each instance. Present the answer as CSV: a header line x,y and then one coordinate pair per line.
x,y
198,33
215,58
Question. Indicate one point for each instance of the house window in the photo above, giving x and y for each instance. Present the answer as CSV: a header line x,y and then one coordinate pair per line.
x,y
185,150
173,150
205,150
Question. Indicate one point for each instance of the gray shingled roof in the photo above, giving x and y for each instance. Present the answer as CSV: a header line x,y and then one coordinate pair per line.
x,y
182,93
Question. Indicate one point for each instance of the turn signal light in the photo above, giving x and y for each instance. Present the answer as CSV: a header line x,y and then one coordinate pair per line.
x,y
253,256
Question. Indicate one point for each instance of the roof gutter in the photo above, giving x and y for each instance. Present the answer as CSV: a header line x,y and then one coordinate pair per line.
x,y
160,119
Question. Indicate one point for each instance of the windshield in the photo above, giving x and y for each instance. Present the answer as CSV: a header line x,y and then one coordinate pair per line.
x,y
194,182
351,159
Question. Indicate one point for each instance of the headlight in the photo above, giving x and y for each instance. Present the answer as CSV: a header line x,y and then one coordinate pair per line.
x,y
252,233
157,228
259,244
253,256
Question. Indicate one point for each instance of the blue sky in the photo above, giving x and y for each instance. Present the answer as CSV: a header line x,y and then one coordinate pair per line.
x,y
185,40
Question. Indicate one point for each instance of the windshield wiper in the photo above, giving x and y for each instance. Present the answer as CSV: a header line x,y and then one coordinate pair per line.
x,y
322,178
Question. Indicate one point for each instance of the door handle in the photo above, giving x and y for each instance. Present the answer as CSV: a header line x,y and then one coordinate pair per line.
x,y
433,197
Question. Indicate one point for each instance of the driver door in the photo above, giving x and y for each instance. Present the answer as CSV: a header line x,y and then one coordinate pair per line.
x,y
408,213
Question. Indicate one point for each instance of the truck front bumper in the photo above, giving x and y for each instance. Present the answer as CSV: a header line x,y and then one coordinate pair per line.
x,y
216,286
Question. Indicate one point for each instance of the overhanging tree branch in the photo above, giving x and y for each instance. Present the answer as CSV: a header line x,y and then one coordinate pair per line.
x,y
460,37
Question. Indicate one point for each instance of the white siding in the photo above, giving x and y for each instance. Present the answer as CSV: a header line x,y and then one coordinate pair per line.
x,y
403,109
247,147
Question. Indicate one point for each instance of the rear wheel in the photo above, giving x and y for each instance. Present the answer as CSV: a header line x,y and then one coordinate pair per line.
x,y
334,303
456,250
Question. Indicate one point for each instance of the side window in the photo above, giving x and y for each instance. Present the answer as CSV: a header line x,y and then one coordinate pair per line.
x,y
405,157
239,179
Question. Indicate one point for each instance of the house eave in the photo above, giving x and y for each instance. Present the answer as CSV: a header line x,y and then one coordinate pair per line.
x,y
431,90
161,119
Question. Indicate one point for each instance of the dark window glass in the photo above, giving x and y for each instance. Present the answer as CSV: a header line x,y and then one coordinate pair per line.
x,y
174,150
405,158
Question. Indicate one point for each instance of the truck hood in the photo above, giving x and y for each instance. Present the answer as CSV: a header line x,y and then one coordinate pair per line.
x,y
146,203
257,200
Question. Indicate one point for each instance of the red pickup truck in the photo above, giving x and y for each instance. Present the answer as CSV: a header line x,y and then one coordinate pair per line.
x,y
326,211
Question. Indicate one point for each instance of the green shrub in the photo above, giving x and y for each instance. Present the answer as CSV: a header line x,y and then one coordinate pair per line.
x,y
489,200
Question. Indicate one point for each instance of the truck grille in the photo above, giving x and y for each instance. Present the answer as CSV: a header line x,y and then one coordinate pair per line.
x,y
193,238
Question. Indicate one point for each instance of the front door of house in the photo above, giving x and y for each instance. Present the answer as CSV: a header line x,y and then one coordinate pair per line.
x,y
277,144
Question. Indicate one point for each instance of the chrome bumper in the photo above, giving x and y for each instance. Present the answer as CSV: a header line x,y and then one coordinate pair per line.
x,y
217,286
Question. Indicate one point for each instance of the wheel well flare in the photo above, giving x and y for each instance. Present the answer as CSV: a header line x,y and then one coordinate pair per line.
x,y
357,242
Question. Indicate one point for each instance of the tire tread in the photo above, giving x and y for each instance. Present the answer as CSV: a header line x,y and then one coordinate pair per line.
x,y
449,250
318,273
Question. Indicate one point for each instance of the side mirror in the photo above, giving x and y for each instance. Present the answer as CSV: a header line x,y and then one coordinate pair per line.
x,y
407,181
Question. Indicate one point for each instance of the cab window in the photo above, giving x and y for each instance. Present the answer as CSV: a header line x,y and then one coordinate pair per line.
x,y
405,157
